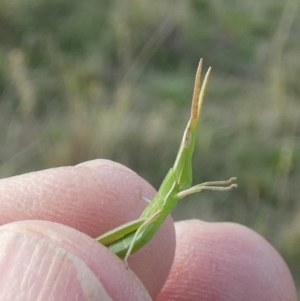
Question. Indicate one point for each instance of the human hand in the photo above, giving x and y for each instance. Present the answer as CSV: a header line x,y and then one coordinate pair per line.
x,y
51,254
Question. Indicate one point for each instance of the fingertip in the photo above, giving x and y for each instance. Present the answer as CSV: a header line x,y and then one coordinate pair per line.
x,y
86,197
226,261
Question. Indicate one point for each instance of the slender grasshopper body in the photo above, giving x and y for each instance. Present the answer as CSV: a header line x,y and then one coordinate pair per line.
x,y
130,237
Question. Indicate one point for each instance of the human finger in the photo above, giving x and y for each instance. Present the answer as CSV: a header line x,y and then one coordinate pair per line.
x,y
226,261
41,260
92,197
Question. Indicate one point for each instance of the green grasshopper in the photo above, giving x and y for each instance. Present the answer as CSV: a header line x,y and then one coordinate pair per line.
x,y
132,236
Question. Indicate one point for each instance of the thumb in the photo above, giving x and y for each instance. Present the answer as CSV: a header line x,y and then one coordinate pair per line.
x,y
41,260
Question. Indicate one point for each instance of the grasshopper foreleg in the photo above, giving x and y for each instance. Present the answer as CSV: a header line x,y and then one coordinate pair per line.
x,y
209,186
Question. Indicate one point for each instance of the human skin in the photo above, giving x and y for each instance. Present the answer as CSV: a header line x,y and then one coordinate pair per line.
x,y
47,248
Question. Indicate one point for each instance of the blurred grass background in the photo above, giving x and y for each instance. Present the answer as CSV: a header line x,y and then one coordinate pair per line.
x,y
113,79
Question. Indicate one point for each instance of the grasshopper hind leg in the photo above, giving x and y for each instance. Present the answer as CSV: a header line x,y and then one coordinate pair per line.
x,y
138,232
